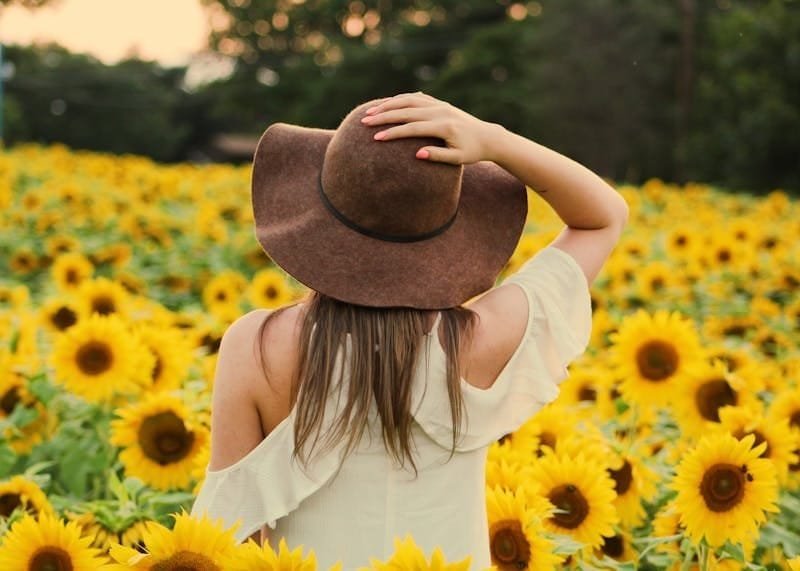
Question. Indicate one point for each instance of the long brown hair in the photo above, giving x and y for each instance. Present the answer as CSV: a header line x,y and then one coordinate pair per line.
x,y
384,376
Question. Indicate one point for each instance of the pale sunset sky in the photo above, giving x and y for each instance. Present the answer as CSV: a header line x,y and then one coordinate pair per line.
x,y
168,31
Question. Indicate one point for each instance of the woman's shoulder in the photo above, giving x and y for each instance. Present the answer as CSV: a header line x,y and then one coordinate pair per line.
x,y
279,345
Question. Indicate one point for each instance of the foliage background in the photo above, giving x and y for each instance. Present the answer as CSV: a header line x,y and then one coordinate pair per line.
x,y
707,91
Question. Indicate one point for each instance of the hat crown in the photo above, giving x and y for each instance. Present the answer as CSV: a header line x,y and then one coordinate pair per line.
x,y
381,186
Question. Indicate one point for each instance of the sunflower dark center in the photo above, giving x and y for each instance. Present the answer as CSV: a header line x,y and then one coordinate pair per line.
x,y
509,546
657,360
50,558
103,305
613,546
587,393
794,420
186,561
212,343
759,438
730,361
722,487
94,358
546,439
735,330
164,439
9,400
271,292
221,295
157,369
657,283
724,255
8,503
574,506
623,478
63,318
681,240
796,466
712,396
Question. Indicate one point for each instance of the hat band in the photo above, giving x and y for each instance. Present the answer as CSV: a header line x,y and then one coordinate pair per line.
x,y
380,235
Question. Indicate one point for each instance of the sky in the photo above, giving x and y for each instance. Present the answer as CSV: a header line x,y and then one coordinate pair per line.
x,y
168,31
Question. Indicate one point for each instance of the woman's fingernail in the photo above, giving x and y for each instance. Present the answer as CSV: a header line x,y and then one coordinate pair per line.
x,y
366,119
380,135
423,154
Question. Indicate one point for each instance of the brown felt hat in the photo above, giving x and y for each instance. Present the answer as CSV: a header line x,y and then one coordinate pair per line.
x,y
368,223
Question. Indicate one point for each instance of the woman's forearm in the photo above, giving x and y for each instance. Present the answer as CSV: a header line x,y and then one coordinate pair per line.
x,y
579,196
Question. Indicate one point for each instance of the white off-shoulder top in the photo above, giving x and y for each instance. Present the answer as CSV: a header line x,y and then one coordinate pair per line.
x,y
354,514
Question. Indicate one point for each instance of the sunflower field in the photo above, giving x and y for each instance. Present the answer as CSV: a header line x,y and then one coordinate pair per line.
x,y
674,443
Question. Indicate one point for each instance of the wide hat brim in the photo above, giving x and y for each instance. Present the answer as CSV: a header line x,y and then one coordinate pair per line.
x,y
303,237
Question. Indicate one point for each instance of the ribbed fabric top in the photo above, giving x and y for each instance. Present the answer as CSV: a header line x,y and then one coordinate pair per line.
x,y
351,511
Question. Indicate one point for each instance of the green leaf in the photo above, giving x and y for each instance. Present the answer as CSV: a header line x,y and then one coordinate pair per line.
x,y
7,459
42,389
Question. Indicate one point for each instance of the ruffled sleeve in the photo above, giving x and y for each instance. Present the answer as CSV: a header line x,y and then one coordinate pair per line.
x,y
558,330
267,484
263,486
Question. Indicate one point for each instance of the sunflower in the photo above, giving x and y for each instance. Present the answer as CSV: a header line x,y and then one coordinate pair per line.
x,y
705,391
23,261
652,354
634,482
741,364
734,326
47,543
194,543
655,278
103,537
58,315
407,555
618,547
223,289
724,489
172,355
515,532
269,289
667,523
794,563
61,244
580,390
786,406
13,392
780,440
116,254
70,270
540,433
583,494
102,296
99,357
680,241
772,343
252,557
506,473
20,492
159,441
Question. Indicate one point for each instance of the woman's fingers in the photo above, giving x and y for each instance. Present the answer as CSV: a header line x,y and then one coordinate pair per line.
x,y
404,115
440,154
400,101
415,129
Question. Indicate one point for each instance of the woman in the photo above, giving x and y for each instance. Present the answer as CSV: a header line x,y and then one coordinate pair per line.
x,y
381,392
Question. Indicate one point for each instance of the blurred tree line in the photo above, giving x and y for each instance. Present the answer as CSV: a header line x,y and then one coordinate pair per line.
x,y
683,90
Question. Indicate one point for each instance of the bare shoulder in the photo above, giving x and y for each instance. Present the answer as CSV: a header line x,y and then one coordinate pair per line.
x,y
279,345
503,316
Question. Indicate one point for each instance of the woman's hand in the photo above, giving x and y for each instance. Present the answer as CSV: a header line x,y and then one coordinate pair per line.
x,y
468,139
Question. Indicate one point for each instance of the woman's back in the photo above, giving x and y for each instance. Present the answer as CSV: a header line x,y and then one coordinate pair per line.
x,y
355,514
